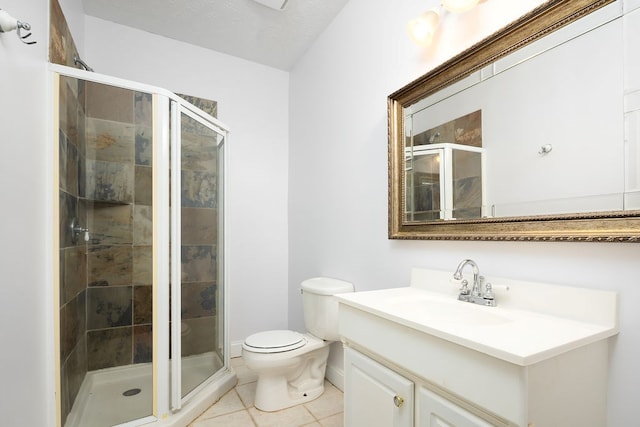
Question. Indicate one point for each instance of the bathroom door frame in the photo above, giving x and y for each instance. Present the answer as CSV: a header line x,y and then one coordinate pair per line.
x,y
165,266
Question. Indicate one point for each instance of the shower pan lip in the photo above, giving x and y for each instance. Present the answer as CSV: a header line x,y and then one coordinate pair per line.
x,y
211,389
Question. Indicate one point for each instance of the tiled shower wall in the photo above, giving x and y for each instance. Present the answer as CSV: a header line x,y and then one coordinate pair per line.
x,y
73,254
116,189
106,185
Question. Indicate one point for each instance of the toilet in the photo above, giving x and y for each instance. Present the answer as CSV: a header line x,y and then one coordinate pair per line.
x,y
291,365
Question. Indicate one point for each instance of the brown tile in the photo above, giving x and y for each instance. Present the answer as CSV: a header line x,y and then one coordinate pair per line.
x,y
72,325
142,304
109,307
142,265
61,44
73,114
76,368
208,106
110,141
199,152
142,225
199,336
109,103
199,189
64,394
111,224
109,347
199,226
198,263
69,175
198,300
110,265
143,186
68,328
142,344
143,109
107,181
73,268
68,206
144,145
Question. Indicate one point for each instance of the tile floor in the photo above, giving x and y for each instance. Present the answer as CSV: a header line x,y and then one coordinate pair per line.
x,y
236,409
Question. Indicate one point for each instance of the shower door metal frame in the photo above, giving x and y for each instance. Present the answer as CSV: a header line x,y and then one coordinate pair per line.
x,y
177,110
166,226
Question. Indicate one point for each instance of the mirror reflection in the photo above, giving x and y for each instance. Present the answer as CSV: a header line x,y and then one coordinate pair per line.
x,y
444,170
531,134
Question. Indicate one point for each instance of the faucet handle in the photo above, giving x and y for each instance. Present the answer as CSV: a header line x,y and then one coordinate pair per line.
x,y
464,289
488,294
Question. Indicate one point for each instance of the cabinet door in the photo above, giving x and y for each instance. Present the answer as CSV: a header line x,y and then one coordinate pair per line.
x,y
375,396
436,411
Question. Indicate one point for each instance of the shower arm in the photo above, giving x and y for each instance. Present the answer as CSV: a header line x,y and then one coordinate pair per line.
x,y
78,61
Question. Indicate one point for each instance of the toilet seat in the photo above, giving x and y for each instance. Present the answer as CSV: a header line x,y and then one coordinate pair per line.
x,y
274,341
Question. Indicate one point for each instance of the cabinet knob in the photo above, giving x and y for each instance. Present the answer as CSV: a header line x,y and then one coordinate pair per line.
x,y
398,401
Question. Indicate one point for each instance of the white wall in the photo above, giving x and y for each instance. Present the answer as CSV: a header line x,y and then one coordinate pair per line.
x,y
25,300
253,102
338,185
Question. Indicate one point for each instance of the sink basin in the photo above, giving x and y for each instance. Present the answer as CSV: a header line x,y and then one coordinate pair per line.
x,y
440,310
532,323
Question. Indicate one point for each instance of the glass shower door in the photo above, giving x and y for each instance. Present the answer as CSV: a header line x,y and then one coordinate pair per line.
x,y
197,240
424,182
139,279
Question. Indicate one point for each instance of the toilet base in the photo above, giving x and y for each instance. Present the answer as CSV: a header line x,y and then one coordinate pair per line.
x,y
302,381
269,392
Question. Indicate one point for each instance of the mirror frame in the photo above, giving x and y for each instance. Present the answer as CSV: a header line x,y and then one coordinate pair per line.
x,y
611,226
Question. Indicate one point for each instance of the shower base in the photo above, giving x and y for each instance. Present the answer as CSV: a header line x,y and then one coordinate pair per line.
x,y
109,397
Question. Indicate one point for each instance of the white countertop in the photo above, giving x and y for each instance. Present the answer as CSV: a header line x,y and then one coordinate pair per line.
x,y
522,337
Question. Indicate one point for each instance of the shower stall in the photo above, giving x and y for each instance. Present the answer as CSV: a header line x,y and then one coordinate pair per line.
x,y
139,279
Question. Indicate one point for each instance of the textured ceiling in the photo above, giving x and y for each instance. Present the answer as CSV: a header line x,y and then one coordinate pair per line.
x,y
241,28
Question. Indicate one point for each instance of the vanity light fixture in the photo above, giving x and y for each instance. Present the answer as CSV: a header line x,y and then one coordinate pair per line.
x,y
422,29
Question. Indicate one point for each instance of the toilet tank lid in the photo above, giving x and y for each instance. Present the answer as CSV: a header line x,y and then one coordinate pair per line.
x,y
326,286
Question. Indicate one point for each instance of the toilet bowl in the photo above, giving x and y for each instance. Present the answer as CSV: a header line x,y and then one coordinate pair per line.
x,y
291,365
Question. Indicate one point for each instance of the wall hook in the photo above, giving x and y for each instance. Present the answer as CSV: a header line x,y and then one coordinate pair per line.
x,y
9,23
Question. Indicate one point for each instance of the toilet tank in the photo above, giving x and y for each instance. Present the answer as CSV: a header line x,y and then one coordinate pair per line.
x,y
320,307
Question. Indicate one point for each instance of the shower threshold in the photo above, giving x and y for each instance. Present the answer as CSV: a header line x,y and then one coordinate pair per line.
x,y
113,396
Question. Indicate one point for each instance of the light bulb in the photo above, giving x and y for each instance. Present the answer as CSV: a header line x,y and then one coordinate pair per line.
x,y
458,6
422,29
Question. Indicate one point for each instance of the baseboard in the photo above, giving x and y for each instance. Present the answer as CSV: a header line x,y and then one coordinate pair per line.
x,y
235,349
335,376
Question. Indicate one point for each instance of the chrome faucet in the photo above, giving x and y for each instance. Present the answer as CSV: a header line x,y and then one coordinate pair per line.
x,y
476,295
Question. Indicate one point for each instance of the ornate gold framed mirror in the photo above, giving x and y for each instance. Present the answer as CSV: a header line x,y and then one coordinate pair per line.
x,y
528,135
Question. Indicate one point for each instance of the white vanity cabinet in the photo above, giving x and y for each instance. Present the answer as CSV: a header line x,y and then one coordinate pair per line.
x,y
415,357
378,397
434,410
